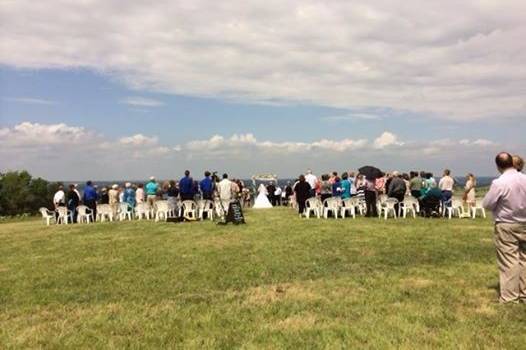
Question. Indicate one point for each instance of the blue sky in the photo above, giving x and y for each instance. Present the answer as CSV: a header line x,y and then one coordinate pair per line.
x,y
291,99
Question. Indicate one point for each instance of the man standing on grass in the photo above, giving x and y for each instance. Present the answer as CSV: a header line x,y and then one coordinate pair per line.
x,y
507,200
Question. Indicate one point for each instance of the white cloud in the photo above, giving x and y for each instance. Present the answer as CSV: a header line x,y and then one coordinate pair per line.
x,y
35,134
142,102
449,59
138,140
30,100
61,151
386,139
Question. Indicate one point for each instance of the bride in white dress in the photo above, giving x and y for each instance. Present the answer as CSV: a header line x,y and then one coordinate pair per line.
x,y
262,201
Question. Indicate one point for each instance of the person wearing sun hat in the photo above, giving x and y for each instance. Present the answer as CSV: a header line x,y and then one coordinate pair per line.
x,y
113,196
129,195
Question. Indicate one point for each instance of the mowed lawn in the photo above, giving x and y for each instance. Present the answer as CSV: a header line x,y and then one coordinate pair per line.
x,y
277,282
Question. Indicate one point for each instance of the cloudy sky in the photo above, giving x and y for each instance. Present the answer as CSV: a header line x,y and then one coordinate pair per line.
x,y
106,89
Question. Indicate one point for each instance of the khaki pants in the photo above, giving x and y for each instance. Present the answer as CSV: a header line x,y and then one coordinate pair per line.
x,y
151,199
510,241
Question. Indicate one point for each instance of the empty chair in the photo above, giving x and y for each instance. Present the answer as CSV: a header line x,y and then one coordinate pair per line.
x,y
173,207
84,214
47,215
410,204
189,210
206,207
456,209
313,205
64,215
478,208
125,211
142,210
349,206
388,207
104,211
162,210
332,205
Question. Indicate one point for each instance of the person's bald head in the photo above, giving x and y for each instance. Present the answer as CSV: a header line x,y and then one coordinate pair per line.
x,y
518,162
504,161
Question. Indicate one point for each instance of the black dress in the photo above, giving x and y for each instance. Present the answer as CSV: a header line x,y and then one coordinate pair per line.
x,y
302,190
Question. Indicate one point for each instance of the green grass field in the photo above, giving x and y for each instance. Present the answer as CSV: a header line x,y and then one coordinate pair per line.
x,y
277,282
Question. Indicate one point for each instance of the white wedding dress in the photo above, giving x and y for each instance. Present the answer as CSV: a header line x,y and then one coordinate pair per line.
x,y
262,201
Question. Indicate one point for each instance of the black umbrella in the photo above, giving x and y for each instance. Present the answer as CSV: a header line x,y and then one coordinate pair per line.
x,y
370,172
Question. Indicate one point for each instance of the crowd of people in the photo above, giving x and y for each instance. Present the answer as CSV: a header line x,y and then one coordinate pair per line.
x,y
210,187
423,186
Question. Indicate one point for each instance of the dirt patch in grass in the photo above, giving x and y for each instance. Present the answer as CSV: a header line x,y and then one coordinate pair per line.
x,y
272,293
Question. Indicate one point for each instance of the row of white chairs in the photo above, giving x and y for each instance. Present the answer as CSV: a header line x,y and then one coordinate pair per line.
x,y
162,210
386,207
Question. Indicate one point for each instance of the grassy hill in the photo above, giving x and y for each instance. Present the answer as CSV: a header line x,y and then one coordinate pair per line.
x,y
277,282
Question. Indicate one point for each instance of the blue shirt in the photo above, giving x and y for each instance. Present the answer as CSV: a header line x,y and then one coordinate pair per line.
x,y
206,185
346,189
129,196
186,185
151,188
89,194
335,187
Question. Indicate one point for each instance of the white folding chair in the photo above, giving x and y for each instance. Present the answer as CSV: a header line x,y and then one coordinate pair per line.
x,y
125,211
206,206
331,205
388,207
313,205
456,209
478,208
410,204
84,214
64,215
189,209
47,215
349,206
104,211
143,210
162,210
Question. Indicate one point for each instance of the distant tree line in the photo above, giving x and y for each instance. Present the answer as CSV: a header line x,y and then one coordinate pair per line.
x,y
21,193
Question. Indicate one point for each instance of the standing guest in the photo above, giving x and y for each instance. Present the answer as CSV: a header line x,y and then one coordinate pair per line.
x,y
405,177
302,190
518,163
104,198
129,196
76,189
446,185
397,189
89,198
415,184
59,199
370,198
312,181
346,185
379,184
337,187
271,189
288,192
507,200
113,195
139,194
277,195
226,191
73,200
172,192
325,187
360,187
186,187
151,191
207,186
469,190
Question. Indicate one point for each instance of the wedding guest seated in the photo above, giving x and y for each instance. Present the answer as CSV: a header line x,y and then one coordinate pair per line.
x,y
431,202
518,163
325,187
